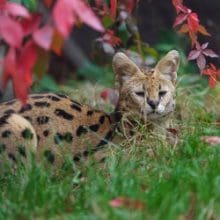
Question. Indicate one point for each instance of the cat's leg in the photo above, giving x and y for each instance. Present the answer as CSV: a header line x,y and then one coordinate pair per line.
x,y
18,139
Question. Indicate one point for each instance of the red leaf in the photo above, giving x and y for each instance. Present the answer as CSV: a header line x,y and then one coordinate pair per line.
x,y
19,68
180,19
212,140
43,37
25,64
193,22
30,25
65,12
213,73
9,65
128,203
113,8
104,94
63,17
11,31
86,14
16,10
209,53
194,54
98,3
212,82
184,29
28,58
200,53
48,3
20,89
203,46
201,62
210,71
110,38
173,131
202,30
110,95
193,37
213,67
129,4
178,4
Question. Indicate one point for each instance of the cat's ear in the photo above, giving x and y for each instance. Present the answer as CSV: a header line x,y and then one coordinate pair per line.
x,y
124,68
169,65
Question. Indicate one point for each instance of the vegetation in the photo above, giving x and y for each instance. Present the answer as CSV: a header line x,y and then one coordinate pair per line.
x,y
143,177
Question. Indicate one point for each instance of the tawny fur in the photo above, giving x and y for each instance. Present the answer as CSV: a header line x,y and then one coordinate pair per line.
x,y
60,126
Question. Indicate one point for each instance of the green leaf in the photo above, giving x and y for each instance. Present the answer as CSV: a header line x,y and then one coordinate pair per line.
x,y
30,4
123,33
107,21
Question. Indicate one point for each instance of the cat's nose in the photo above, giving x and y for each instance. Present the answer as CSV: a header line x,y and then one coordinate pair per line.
x,y
152,103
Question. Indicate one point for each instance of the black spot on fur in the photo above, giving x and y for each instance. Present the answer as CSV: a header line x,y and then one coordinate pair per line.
x,y
77,157
12,157
49,155
28,118
42,120
38,138
58,138
90,113
102,119
46,133
109,135
85,153
25,108
68,137
3,120
63,114
54,98
9,111
6,134
42,104
104,140
10,102
37,97
76,107
62,95
81,130
2,148
27,134
94,127
22,150
115,116
75,102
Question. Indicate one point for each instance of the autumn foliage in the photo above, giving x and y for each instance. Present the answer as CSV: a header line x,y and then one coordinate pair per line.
x,y
27,34
188,22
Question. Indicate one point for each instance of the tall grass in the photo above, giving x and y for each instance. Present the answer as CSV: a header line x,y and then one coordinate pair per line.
x,y
171,183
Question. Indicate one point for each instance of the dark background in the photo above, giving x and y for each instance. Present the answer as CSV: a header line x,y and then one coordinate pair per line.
x,y
155,15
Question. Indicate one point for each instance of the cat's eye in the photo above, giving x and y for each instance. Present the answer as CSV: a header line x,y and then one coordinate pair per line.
x,y
140,93
162,93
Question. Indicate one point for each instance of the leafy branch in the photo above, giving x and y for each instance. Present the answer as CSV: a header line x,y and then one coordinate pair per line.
x,y
188,22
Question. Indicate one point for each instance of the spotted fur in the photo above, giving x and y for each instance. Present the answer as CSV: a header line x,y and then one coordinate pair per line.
x,y
52,125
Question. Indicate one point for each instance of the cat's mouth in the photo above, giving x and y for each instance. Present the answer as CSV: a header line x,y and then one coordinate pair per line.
x,y
155,114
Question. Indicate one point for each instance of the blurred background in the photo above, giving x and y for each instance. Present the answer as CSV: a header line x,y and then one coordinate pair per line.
x,y
143,29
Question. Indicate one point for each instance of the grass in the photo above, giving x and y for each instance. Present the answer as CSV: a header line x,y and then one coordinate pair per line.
x,y
169,183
